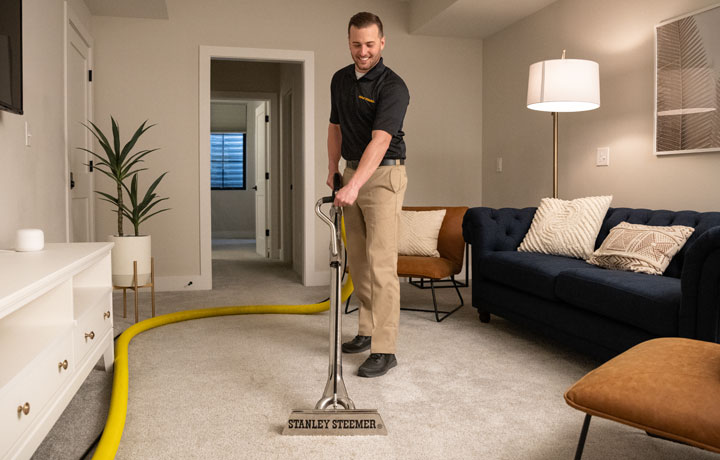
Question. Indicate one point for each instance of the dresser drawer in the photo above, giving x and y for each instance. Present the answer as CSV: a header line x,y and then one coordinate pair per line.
x,y
33,388
91,328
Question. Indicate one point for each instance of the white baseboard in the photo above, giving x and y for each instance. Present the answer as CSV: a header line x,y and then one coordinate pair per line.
x,y
199,283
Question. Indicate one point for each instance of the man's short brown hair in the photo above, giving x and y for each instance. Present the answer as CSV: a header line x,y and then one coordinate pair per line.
x,y
365,19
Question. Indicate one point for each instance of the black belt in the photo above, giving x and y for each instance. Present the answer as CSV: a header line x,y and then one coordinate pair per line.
x,y
353,164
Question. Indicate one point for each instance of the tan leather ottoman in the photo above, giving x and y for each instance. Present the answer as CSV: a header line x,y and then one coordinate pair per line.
x,y
669,387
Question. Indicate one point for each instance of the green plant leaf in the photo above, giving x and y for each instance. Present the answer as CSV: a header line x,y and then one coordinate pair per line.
x,y
150,190
136,158
152,205
116,139
131,143
157,212
98,133
112,160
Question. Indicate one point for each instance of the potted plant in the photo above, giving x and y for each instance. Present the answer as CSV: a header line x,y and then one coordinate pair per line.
x,y
119,164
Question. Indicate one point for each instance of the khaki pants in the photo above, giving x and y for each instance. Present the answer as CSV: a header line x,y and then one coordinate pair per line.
x,y
371,225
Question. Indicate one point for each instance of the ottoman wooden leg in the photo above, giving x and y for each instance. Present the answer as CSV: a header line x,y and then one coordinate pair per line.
x,y
484,317
583,436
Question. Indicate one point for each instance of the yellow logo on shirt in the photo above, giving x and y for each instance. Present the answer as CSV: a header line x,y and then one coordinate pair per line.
x,y
366,99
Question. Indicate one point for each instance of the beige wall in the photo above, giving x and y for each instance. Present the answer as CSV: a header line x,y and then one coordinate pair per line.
x,y
32,179
619,35
228,117
148,69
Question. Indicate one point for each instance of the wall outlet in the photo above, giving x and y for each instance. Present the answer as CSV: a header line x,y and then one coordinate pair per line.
x,y
603,156
498,164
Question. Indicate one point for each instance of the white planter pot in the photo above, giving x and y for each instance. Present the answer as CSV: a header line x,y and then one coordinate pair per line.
x,y
128,249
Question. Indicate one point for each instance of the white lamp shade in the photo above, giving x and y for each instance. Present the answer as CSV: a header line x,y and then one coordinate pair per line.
x,y
564,85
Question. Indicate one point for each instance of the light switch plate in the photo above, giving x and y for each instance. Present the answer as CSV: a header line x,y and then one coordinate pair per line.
x,y
498,164
603,156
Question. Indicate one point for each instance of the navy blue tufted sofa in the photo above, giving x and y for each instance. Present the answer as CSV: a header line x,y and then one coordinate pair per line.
x,y
596,311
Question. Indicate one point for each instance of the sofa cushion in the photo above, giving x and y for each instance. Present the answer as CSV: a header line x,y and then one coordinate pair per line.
x,y
530,272
649,302
426,267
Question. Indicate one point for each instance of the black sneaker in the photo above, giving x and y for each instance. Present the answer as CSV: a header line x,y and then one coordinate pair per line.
x,y
358,344
377,364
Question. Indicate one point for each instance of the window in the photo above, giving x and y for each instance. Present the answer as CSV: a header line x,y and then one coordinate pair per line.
x,y
227,161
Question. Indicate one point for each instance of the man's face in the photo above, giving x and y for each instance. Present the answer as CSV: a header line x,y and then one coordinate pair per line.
x,y
366,47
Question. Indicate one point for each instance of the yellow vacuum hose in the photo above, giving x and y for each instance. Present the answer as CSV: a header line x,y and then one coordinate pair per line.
x,y
110,440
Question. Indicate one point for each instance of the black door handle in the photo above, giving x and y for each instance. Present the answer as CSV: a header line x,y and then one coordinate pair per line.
x,y
72,181
255,187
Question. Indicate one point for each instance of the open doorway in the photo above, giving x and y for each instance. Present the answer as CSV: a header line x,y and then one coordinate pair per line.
x,y
296,76
252,150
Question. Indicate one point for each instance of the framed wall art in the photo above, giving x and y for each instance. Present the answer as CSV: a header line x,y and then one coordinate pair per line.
x,y
687,83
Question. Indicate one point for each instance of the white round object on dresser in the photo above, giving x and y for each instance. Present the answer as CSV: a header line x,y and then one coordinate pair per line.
x,y
29,239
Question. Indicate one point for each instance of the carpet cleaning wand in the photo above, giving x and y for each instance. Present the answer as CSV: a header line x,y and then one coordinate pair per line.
x,y
335,413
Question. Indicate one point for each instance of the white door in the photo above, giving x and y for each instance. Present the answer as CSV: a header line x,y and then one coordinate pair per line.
x,y
82,227
262,242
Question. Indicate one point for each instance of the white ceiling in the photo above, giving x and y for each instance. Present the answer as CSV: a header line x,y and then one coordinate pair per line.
x,y
469,18
444,18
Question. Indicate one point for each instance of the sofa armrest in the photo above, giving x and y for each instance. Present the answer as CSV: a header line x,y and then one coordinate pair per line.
x,y
489,230
700,284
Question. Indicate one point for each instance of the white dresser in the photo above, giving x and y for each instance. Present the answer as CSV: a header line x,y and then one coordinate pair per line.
x,y
56,321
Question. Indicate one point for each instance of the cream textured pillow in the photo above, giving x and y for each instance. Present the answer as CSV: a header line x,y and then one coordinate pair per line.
x,y
566,228
419,232
640,248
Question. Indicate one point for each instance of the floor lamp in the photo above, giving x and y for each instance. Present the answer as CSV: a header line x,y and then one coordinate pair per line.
x,y
563,85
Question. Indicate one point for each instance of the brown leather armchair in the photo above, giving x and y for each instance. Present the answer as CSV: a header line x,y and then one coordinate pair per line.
x,y
436,270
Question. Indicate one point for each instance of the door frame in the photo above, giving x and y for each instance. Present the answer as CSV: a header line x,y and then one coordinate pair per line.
x,y
287,139
71,17
307,59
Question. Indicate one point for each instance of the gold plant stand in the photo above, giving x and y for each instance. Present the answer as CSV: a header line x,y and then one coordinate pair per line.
x,y
135,288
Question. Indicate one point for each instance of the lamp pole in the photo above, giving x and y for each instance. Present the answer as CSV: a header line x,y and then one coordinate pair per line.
x,y
555,154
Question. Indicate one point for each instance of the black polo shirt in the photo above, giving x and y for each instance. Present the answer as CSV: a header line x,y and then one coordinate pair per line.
x,y
378,100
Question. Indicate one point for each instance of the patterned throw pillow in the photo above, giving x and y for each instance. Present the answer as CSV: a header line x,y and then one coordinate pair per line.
x,y
419,232
566,228
640,248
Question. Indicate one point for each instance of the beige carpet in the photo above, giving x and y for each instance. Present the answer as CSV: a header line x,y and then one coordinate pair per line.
x,y
222,388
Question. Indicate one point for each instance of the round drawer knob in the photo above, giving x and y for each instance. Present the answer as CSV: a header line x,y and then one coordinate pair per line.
x,y
63,365
91,335
106,315
24,409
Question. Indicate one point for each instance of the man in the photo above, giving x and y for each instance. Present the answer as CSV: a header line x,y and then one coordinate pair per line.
x,y
369,102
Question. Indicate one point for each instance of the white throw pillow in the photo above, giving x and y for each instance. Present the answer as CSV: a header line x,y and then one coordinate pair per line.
x,y
418,233
566,228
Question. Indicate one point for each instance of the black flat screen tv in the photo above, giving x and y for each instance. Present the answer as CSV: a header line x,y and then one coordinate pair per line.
x,y
11,78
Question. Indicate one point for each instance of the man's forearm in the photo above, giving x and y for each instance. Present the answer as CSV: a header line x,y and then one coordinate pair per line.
x,y
334,143
370,160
